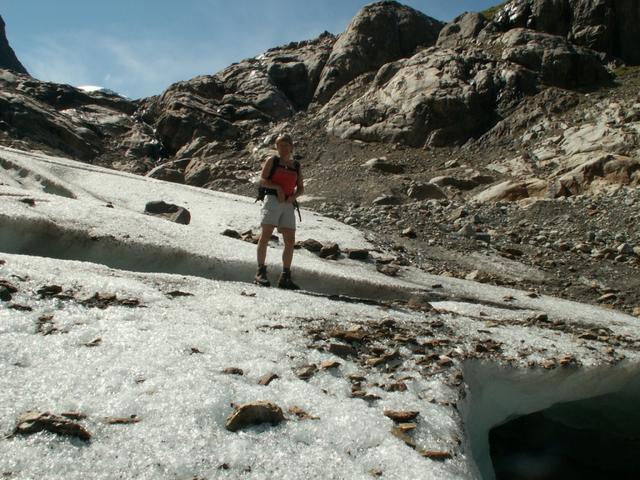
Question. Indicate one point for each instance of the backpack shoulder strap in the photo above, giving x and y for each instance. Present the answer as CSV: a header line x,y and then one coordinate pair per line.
x,y
296,165
274,166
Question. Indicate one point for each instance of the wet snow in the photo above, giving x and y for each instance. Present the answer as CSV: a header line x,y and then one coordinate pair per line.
x,y
162,361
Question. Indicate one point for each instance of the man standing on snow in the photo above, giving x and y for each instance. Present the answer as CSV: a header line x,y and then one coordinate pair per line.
x,y
282,179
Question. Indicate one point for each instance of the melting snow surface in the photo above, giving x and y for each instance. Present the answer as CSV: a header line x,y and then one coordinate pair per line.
x,y
82,228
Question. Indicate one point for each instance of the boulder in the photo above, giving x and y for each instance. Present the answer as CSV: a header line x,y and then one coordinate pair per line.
x,y
168,211
357,253
192,148
511,191
467,231
330,250
380,33
425,191
408,232
296,68
382,165
8,57
311,245
441,97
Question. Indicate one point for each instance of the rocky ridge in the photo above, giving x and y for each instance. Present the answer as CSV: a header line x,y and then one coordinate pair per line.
x,y
8,59
499,148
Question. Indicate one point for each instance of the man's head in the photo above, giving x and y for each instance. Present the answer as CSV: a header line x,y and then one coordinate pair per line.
x,y
284,145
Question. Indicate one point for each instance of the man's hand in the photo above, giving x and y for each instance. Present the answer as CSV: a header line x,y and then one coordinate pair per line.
x,y
291,199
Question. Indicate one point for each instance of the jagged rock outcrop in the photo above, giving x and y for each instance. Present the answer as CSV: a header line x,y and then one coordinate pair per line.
x,y
380,33
239,101
382,82
67,120
441,97
436,97
192,109
563,160
609,26
559,63
607,168
8,59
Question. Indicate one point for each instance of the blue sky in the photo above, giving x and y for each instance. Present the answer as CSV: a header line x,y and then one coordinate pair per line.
x,y
140,47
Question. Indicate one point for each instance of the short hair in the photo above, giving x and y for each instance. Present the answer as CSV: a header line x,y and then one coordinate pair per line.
x,y
284,137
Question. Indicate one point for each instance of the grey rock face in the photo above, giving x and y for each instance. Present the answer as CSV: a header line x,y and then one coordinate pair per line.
x,y
463,28
188,110
197,173
67,119
380,33
560,64
8,57
608,26
444,97
614,167
297,72
436,97
28,118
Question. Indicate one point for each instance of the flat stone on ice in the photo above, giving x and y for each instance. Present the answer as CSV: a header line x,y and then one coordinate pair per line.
x,y
254,413
33,422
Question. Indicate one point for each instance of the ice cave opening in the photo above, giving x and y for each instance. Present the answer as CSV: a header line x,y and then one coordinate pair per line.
x,y
578,423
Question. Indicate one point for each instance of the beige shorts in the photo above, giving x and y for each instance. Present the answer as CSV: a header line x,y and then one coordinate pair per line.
x,y
282,215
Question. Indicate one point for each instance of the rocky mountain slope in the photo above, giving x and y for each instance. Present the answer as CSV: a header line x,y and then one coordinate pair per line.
x,y
501,147
8,59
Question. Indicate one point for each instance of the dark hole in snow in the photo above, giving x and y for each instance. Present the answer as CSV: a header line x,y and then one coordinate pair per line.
x,y
566,424
572,440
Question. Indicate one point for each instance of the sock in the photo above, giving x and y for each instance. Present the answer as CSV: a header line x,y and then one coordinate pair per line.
x,y
286,270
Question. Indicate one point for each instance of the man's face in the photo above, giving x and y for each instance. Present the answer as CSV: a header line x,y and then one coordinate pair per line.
x,y
284,148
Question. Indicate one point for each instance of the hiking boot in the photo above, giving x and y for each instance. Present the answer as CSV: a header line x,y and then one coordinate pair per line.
x,y
285,282
261,277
